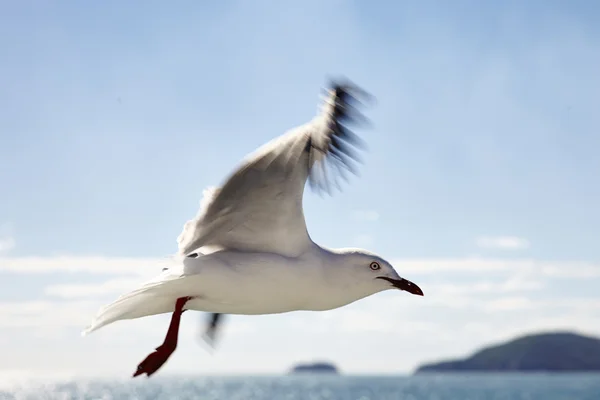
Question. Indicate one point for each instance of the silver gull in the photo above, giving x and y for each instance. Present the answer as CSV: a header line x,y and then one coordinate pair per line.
x,y
248,250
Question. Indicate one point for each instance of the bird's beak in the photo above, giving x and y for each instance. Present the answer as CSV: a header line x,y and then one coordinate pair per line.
x,y
403,284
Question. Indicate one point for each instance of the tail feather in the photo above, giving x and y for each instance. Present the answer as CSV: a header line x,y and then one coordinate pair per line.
x,y
150,299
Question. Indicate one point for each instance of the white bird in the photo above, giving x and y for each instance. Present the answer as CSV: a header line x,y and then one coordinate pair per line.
x,y
248,250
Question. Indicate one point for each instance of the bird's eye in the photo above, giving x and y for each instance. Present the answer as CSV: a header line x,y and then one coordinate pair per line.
x,y
375,266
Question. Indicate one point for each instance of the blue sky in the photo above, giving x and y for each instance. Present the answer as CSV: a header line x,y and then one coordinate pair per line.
x,y
480,179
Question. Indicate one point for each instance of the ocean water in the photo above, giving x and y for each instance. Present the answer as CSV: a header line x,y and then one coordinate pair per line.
x,y
431,387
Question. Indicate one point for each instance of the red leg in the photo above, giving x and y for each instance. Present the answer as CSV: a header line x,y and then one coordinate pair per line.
x,y
155,360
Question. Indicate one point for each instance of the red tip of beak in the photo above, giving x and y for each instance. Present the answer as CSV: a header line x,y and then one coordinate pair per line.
x,y
403,284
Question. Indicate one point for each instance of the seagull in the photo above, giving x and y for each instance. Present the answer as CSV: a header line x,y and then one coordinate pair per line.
x,y
248,250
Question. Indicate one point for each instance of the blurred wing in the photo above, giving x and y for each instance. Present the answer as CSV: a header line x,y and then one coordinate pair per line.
x,y
259,207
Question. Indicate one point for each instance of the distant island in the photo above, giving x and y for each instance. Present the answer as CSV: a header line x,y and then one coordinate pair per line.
x,y
315,368
544,352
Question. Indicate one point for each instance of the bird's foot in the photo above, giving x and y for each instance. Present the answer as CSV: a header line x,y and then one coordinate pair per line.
x,y
154,361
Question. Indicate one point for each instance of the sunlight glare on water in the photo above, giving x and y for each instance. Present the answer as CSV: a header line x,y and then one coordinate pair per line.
x,y
474,387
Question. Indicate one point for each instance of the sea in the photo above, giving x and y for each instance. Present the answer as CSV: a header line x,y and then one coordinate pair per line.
x,y
321,387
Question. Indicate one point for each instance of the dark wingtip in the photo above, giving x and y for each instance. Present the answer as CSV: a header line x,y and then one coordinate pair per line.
x,y
343,88
343,100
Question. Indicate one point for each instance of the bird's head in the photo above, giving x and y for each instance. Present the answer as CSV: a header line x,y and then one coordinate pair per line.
x,y
372,273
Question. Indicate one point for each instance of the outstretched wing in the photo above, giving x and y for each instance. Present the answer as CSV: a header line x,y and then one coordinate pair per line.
x,y
259,207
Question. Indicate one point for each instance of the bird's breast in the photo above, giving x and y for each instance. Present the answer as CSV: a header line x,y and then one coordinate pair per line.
x,y
255,283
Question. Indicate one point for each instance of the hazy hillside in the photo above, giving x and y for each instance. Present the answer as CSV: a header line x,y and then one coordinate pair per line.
x,y
558,351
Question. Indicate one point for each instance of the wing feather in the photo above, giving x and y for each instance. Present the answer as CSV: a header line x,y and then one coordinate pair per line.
x,y
259,207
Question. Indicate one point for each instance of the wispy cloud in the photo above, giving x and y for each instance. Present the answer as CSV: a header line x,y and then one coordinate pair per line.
x,y
364,321
509,303
7,240
502,242
92,264
573,270
462,264
71,291
481,265
46,314
485,287
7,244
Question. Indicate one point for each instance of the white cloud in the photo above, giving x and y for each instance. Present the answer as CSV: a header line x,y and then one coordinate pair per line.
x,y
509,304
6,244
485,287
502,242
479,265
70,291
578,270
467,264
45,314
98,265
366,215
524,280
358,321
7,240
